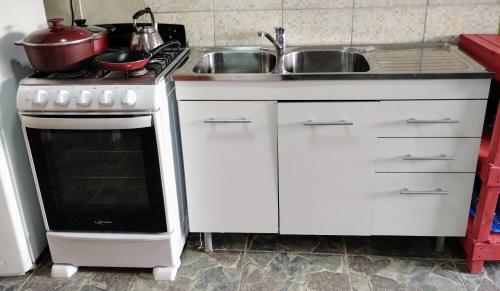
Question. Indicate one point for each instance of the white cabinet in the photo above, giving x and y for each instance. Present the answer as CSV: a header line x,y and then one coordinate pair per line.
x,y
427,204
394,157
326,167
230,165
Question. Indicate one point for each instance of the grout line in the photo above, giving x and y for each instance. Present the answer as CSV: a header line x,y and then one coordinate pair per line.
x,y
425,20
352,22
243,262
136,274
213,20
347,260
459,274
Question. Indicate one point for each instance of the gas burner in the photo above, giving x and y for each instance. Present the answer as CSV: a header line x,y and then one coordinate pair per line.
x,y
137,73
69,75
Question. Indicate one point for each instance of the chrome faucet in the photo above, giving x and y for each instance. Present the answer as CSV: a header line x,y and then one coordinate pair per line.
x,y
279,42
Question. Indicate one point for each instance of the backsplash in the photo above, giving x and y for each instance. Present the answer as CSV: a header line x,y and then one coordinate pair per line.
x,y
313,22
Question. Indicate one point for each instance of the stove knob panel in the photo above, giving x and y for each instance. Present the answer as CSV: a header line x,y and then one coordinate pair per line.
x,y
130,98
41,97
106,98
84,98
62,98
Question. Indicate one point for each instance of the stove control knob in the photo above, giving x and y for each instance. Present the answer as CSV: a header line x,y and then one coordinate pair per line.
x,y
62,98
130,98
41,97
84,98
106,98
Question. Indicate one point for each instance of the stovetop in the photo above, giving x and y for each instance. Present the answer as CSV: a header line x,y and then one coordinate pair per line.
x,y
161,64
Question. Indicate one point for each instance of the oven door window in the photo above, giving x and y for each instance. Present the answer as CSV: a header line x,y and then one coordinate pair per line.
x,y
99,180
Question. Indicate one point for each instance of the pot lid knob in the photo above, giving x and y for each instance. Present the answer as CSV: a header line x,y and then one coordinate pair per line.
x,y
56,23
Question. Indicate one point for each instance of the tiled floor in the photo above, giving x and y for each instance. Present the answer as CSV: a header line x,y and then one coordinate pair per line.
x,y
269,262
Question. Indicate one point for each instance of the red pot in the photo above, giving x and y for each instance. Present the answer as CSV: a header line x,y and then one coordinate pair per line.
x,y
60,48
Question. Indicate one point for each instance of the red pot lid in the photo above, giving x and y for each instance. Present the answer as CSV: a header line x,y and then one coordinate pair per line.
x,y
57,34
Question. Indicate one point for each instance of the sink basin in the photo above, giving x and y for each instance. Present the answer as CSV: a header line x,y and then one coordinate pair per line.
x,y
235,62
325,62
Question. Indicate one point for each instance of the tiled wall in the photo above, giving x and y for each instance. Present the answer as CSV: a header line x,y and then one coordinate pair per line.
x,y
236,22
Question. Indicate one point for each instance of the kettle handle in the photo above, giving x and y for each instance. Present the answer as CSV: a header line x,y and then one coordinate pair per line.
x,y
140,13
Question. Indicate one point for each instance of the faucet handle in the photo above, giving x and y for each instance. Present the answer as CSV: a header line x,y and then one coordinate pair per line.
x,y
279,30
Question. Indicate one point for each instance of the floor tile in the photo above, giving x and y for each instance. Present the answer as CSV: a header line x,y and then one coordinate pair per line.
x,y
417,247
220,270
385,273
41,280
110,279
454,248
297,243
220,241
12,283
230,241
489,279
282,271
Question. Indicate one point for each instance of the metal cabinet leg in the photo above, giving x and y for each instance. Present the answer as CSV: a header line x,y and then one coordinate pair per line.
x,y
440,243
208,242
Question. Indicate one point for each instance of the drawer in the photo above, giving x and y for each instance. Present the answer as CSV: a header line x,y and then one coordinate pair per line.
x,y
421,204
427,154
435,118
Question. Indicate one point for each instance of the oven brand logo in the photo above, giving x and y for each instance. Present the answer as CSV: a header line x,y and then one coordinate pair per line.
x,y
103,222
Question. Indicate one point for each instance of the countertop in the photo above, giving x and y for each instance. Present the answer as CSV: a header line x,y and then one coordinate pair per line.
x,y
387,62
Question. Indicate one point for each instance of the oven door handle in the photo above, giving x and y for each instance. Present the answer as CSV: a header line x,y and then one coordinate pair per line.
x,y
87,123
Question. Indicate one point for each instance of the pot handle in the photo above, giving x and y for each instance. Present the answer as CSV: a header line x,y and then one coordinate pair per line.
x,y
140,13
19,42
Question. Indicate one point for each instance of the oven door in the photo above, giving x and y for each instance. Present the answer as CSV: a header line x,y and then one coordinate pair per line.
x,y
97,174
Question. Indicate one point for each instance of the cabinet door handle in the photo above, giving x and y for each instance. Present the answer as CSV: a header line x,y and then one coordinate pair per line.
x,y
236,120
444,120
316,123
442,157
438,191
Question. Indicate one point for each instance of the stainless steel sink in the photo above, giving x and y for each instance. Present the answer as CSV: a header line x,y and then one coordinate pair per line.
x,y
236,62
317,61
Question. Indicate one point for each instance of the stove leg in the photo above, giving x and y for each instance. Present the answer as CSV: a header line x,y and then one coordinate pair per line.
x,y
63,271
440,243
208,242
166,273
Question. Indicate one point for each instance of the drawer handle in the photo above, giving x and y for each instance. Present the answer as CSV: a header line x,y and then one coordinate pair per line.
x,y
444,120
442,157
438,191
236,120
340,122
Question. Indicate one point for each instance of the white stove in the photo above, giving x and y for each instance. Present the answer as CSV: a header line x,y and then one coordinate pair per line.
x,y
106,157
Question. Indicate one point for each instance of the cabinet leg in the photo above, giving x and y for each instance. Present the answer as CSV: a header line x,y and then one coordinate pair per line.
x,y
440,243
207,236
474,266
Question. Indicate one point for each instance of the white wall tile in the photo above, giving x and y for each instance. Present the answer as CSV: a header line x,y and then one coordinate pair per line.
x,y
446,22
58,9
178,5
388,3
451,2
199,26
241,27
236,22
389,25
324,26
221,5
110,11
315,4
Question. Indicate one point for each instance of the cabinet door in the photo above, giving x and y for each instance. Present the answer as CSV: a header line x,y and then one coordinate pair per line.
x,y
326,162
230,163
